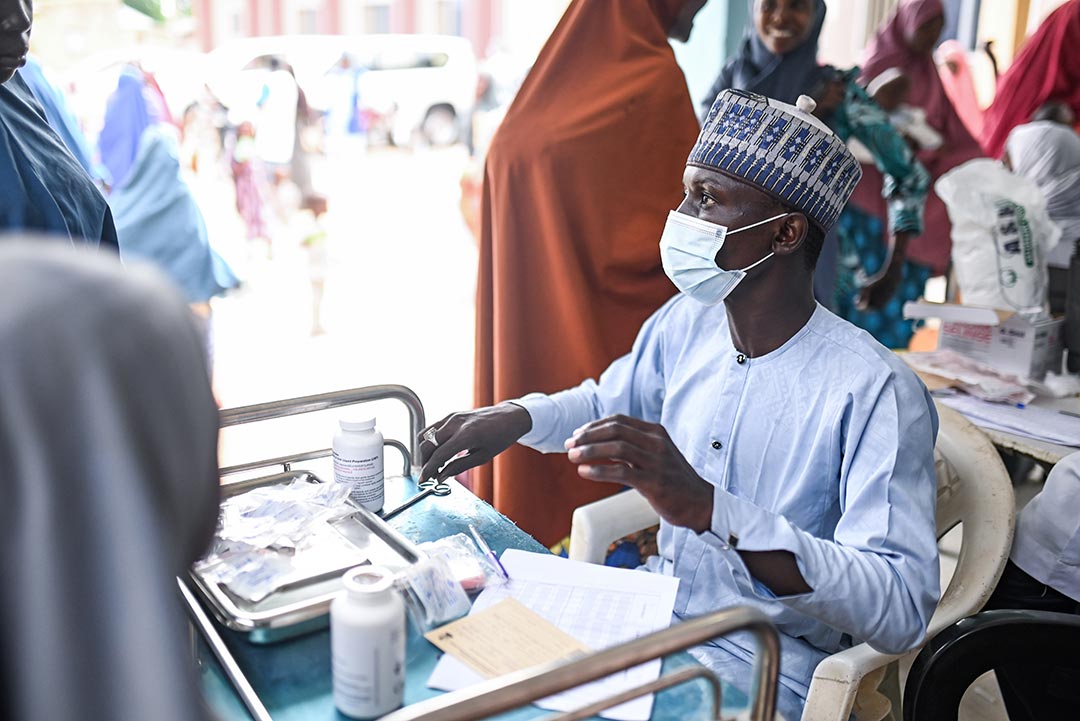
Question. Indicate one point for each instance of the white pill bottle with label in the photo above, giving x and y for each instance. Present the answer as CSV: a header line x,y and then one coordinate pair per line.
x,y
367,644
358,461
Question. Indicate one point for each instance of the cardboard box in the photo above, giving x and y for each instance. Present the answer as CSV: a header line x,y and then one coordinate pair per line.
x,y
1008,341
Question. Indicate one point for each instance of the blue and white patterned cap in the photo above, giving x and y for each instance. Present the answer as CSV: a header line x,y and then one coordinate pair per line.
x,y
782,150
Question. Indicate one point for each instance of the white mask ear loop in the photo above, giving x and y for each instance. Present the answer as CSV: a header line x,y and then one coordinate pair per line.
x,y
757,224
754,265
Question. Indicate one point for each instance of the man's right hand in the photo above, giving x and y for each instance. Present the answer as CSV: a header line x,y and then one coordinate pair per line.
x,y
482,434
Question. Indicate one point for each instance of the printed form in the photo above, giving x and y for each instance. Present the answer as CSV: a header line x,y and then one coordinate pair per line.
x,y
597,605
1041,424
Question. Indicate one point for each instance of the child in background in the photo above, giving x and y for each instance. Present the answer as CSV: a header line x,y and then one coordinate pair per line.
x,y
313,238
890,91
249,199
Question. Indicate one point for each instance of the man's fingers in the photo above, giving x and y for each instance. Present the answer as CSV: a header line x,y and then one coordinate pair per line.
x,y
426,449
460,465
452,446
637,423
618,419
621,451
649,438
426,446
610,474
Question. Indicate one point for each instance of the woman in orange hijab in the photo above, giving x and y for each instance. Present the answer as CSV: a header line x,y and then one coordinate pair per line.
x,y
578,181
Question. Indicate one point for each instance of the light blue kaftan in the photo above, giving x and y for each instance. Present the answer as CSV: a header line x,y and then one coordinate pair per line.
x,y
823,448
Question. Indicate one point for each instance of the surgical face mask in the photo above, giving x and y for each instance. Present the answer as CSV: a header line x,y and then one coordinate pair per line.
x,y
688,251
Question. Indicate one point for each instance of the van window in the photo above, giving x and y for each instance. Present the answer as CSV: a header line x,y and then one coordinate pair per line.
x,y
262,62
408,60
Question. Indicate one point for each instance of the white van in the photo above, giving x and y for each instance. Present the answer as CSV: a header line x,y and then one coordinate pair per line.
x,y
408,85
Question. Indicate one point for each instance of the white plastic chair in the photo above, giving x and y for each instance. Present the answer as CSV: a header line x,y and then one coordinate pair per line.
x,y
973,489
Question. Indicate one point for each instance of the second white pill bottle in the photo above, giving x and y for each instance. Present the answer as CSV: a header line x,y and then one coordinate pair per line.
x,y
358,461
367,644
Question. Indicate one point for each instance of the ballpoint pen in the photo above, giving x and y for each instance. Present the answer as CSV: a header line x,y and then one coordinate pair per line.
x,y
486,550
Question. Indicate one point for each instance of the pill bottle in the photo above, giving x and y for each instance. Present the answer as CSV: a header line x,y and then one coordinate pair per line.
x,y
358,461
367,644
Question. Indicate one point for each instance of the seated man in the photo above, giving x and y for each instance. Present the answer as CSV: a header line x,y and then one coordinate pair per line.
x,y
1041,575
789,455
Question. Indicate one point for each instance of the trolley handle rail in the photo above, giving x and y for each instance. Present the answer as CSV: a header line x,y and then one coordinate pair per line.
x,y
524,687
326,401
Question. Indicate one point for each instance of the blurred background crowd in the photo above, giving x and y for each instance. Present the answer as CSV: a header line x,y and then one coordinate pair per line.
x,y
329,154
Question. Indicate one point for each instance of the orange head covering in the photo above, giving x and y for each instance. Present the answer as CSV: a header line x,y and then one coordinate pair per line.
x,y
578,182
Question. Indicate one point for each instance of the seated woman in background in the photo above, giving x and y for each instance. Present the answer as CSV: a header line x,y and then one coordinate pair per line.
x,y
108,440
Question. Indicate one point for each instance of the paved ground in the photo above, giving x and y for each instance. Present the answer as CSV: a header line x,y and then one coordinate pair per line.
x,y
398,305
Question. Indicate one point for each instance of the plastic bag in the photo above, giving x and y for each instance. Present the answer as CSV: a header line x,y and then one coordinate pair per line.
x,y
1001,235
432,595
470,566
437,589
272,536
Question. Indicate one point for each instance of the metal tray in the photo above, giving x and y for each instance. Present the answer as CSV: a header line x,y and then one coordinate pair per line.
x,y
304,604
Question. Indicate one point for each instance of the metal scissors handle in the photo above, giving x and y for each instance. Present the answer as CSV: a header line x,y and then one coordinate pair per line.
x,y
430,487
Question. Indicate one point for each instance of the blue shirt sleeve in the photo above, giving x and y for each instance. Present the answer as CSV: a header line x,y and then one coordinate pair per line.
x,y
633,385
877,578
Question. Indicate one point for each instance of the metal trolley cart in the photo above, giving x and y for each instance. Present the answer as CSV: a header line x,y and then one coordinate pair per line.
x,y
303,606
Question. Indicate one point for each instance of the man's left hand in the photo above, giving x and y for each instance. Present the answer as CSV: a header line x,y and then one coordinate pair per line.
x,y
625,450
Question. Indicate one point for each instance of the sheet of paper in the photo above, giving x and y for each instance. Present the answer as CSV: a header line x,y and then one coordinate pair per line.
x,y
504,638
597,605
1042,424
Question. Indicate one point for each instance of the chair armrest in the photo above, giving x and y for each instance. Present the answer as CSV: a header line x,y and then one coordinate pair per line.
x,y
836,682
964,597
597,525
837,679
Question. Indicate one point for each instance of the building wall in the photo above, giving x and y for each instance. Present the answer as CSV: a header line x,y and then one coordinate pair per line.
x,y
1009,22
222,20
524,27
66,31
848,26
850,23
718,29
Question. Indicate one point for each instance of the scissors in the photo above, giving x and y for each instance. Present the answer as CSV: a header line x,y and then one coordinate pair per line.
x,y
430,487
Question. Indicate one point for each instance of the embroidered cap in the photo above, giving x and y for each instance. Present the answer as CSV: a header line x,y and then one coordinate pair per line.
x,y
779,149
